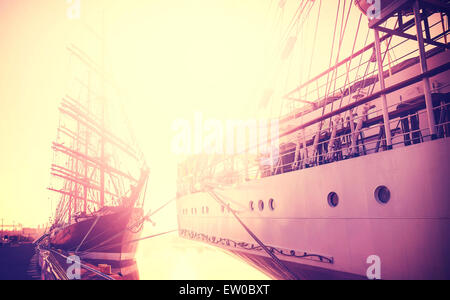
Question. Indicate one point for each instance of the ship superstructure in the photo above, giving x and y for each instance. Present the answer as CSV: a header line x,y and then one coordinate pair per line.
x,y
359,171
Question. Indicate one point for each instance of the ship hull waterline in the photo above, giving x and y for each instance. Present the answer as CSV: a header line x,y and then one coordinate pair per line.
x,y
409,234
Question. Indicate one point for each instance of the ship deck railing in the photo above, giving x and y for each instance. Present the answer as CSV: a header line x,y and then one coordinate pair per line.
x,y
370,140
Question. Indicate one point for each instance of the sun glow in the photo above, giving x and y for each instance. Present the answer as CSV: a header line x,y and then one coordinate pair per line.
x,y
175,60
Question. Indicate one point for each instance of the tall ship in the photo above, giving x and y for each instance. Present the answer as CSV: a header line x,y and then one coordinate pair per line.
x,y
355,182
98,179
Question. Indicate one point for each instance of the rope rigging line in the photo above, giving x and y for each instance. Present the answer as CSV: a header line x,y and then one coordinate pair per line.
x,y
364,78
299,25
138,223
133,241
343,29
145,192
128,124
149,214
341,38
331,59
386,53
313,47
289,67
288,272
87,234
279,37
361,56
293,22
348,65
284,37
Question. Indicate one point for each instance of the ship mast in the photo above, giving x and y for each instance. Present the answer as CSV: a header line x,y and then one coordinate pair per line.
x,y
103,103
94,167
86,148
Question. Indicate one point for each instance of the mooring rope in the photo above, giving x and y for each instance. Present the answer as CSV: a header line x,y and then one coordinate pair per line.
x,y
87,234
277,261
138,223
134,241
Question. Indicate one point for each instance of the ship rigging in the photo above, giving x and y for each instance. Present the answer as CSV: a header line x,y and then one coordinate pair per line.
x,y
355,144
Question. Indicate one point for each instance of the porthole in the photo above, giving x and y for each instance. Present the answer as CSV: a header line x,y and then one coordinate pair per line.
x,y
333,199
382,194
271,204
251,205
261,205
207,209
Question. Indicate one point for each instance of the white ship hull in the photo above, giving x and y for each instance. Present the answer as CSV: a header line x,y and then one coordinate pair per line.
x,y
410,233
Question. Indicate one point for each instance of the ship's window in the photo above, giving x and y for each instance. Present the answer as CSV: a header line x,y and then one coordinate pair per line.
x,y
251,205
382,194
261,205
271,204
333,199
207,209
223,208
